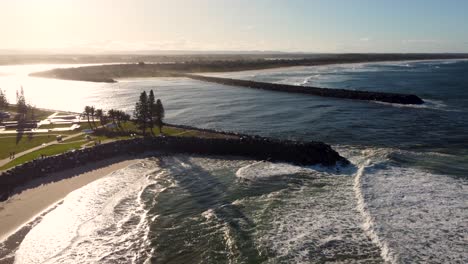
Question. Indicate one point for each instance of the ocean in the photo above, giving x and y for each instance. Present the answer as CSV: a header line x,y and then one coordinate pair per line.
x,y
403,199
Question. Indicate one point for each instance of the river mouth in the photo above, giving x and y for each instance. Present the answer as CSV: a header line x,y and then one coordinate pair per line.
x,y
401,200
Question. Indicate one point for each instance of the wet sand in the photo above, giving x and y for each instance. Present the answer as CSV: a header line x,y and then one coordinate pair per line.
x,y
18,213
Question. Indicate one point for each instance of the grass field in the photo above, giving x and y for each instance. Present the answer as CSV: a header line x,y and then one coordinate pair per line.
x,y
8,142
48,151
55,126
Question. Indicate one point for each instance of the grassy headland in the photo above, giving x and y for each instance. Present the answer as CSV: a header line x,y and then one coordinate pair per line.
x,y
109,73
127,131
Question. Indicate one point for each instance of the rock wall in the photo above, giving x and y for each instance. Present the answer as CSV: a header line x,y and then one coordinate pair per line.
x,y
301,153
393,98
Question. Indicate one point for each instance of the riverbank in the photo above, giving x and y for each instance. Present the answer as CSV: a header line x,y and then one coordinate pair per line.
x,y
37,196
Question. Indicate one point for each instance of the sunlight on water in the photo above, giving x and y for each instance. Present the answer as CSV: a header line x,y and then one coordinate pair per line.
x,y
401,200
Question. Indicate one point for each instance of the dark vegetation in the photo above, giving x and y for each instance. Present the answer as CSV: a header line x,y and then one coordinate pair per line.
x,y
193,64
115,117
149,113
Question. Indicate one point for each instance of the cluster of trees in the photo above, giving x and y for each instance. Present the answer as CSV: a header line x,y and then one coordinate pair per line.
x,y
24,111
116,116
149,112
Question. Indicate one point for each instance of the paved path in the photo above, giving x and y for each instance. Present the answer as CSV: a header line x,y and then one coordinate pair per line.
x,y
17,155
5,161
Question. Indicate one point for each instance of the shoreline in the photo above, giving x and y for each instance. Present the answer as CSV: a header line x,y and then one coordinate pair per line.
x,y
41,195
106,73
302,67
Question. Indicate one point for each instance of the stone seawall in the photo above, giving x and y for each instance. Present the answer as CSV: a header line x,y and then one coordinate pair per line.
x,y
393,98
301,153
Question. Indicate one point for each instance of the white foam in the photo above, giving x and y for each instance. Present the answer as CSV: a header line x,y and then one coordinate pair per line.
x,y
265,169
412,215
416,216
368,223
315,222
428,104
104,220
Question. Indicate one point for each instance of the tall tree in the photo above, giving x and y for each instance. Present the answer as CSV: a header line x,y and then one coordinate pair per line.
x,y
112,113
87,113
3,100
159,112
118,116
92,112
151,111
21,105
125,117
141,112
101,115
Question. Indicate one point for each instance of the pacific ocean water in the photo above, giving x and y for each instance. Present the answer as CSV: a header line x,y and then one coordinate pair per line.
x,y
403,199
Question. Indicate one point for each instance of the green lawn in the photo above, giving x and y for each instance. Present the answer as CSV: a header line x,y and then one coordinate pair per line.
x,y
8,143
50,126
49,151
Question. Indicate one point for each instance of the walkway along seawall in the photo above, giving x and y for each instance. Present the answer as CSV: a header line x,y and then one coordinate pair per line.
x,y
300,153
393,98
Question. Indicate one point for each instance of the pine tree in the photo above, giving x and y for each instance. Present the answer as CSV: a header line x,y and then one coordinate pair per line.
x,y
159,112
151,111
3,100
141,112
21,106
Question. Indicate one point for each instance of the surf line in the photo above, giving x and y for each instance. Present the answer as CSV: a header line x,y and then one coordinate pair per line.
x,y
368,224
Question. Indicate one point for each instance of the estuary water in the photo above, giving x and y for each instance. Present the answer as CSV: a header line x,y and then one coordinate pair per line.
x,y
404,199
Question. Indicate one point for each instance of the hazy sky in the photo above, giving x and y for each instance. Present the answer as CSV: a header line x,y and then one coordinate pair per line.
x,y
284,25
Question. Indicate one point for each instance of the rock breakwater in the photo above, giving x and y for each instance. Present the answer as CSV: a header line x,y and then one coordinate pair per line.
x,y
393,98
255,147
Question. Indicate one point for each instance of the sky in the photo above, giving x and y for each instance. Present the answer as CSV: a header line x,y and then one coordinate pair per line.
x,y
335,26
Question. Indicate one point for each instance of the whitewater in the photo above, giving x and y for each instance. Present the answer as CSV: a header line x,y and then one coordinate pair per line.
x,y
403,199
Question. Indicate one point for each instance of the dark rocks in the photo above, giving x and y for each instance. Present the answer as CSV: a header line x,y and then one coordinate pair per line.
x,y
255,147
393,98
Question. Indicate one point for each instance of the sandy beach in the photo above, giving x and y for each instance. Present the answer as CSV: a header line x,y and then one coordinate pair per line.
x,y
37,197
